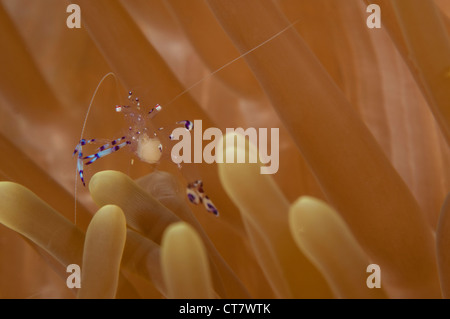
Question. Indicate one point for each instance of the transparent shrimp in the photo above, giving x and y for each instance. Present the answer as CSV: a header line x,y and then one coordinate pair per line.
x,y
146,145
138,137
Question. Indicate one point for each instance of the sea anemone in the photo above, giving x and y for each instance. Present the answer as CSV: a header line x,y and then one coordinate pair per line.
x,y
364,160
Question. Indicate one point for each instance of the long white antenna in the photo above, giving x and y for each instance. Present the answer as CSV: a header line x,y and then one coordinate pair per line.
x,y
81,137
232,61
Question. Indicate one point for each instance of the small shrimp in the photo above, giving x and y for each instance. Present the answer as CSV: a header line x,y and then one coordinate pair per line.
x,y
138,139
136,135
144,146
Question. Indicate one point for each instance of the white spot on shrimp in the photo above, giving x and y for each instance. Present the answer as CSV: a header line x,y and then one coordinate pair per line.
x,y
149,149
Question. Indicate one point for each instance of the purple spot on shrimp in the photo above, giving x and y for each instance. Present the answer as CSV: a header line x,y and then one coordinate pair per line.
x,y
212,209
191,197
188,125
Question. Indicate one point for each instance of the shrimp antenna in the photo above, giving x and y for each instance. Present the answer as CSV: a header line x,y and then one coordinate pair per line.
x,y
82,133
231,62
